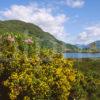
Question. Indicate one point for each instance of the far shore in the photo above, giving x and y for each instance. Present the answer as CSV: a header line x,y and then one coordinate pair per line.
x,y
79,52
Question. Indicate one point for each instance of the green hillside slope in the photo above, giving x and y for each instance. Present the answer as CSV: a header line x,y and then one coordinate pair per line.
x,y
44,39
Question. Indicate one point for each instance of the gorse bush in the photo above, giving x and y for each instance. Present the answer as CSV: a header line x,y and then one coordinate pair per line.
x,y
29,73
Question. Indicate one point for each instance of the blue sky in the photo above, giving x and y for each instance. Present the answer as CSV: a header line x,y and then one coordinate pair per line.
x,y
72,21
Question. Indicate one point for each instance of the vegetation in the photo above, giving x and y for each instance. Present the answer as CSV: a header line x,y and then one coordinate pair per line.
x,y
91,68
44,39
28,72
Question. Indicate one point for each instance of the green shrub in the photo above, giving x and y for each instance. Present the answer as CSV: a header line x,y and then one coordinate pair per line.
x,y
45,75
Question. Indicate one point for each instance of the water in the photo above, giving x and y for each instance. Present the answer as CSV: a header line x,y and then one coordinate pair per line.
x,y
82,55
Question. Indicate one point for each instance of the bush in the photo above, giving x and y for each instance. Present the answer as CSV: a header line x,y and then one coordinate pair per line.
x,y
45,75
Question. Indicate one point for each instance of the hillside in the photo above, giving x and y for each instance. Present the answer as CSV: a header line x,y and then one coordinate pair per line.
x,y
44,39
91,47
95,44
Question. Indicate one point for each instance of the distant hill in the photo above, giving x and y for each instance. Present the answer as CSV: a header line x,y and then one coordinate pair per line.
x,y
91,47
44,39
95,44
81,46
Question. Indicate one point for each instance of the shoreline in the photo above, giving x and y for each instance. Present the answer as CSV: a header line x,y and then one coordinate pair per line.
x,y
82,52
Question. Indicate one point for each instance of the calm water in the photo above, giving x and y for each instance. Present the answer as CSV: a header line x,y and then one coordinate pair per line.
x,y
82,55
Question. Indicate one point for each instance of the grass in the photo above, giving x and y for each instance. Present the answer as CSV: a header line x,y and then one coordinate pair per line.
x,y
90,67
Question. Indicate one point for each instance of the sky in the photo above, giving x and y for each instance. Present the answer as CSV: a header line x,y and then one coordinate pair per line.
x,y
71,21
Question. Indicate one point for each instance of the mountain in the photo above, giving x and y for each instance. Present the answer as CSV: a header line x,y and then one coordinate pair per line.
x,y
44,39
81,46
95,45
91,47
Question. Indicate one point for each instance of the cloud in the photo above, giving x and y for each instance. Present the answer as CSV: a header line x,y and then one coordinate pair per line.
x,y
43,17
90,34
75,3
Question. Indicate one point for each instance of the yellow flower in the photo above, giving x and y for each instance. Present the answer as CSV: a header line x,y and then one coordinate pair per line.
x,y
58,71
72,77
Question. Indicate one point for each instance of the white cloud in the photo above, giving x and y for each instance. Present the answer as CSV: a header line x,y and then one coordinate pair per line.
x,y
42,17
90,34
75,3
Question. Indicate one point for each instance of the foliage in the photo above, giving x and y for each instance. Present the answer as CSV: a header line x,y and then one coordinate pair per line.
x,y
44,75
92,70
